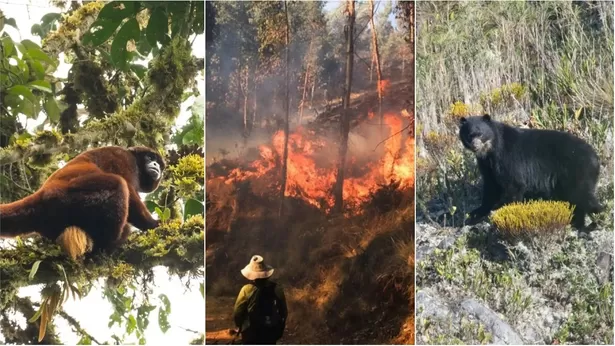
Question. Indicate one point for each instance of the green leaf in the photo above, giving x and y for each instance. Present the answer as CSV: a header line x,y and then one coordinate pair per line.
x,y
139,70
192,137
100,31
167,214
8,47
23,91
143,46
199,18
47,24
52,109
119,53
34,269
41,85
36,315
202,289
29,109
151,206
178,16
158,212
22,67
186,95
85,340
119,10
35,52
11,22
131,325
38,69
166,302
157,27
163,320
193,207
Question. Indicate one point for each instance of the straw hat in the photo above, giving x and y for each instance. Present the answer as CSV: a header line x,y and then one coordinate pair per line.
x,y
257,269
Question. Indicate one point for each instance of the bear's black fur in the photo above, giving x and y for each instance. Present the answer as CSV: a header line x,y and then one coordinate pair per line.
x,y
518,164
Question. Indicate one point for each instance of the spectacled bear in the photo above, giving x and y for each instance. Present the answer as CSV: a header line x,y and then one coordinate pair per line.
x,y
92,199
517,164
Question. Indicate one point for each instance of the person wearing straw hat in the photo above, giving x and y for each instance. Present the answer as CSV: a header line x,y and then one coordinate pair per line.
x,y
260,309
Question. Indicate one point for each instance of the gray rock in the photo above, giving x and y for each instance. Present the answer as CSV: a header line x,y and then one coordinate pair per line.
x,y
605,263
447,242
429,305
502,332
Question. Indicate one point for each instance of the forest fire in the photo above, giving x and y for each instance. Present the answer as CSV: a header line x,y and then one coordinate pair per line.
x,y
312,171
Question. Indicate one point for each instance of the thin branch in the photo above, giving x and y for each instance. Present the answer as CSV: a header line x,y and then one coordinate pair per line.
x,y
393,135
77,326
189,330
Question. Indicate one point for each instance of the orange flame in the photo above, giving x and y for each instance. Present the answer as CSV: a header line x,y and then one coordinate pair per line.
x,y
313,182
383,86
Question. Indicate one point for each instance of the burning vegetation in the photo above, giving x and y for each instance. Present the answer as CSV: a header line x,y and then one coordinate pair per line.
x,y
311,167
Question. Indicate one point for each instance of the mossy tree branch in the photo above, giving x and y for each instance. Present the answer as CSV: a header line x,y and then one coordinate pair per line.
x,y
179,247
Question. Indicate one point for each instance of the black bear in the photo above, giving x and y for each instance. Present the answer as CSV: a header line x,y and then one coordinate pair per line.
x,y
518,164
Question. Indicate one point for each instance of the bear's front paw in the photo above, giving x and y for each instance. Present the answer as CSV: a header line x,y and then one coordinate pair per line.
x,y
476,215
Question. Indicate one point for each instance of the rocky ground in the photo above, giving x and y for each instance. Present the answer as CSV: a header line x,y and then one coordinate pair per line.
x,y
475,288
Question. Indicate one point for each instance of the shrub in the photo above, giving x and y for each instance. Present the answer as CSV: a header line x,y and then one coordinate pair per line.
x,y
533,219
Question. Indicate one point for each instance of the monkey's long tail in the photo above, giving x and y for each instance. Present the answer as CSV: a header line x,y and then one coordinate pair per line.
x,y
18,218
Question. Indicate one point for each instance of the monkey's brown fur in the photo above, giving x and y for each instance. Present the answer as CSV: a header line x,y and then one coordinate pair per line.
x,y
92,199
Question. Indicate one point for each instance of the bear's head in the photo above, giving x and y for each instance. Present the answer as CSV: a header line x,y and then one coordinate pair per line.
x,y
477,134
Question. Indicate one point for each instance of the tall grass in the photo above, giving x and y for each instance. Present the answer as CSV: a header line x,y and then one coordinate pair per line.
x,y
542,64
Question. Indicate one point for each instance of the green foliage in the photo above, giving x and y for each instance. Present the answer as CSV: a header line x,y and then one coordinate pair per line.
x,y
194,131
48,23
588,315
188,175
533,219
507,93
182,17
26,80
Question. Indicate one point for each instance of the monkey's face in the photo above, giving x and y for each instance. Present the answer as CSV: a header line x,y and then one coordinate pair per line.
x,y
150,166
477,135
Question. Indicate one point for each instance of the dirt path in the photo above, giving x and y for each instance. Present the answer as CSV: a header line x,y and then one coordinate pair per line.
x,y
219,322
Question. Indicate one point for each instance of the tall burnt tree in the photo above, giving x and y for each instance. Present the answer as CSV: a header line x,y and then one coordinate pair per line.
x,y
376,58
286,109
338,188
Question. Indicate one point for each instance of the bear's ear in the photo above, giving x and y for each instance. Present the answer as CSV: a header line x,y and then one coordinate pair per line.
x,y
462,120
487,117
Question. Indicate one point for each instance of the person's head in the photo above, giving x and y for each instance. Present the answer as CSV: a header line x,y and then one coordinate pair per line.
x,y
257,269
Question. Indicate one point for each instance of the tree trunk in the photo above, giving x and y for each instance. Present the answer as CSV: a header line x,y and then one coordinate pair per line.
x,y
411,57
376,55
255,104
287,109
403,62
246,92
338,189
371,67
313,86
305,84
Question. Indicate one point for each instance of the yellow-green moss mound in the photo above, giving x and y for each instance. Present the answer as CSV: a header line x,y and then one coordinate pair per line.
x,y
533,219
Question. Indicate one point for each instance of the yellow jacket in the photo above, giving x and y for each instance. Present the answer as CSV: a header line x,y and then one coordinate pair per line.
x,y
240,313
